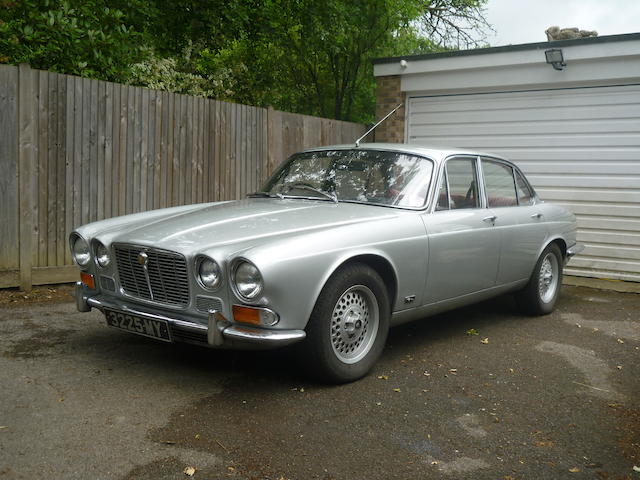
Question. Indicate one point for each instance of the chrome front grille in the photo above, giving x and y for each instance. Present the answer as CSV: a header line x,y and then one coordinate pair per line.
x,y
162,278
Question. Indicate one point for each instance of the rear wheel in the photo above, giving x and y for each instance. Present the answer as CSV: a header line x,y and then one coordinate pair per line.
x,y
541,293
348,327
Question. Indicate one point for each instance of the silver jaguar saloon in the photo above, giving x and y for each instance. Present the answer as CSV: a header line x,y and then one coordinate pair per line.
x,y
340,244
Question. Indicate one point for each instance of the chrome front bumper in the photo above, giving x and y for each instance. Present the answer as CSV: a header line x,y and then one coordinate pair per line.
x,y
219,332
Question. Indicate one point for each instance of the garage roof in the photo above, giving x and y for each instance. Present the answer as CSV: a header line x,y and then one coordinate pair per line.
x,y
512,48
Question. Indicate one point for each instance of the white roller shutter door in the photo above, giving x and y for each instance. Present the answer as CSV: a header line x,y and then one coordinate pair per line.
x,y
580,147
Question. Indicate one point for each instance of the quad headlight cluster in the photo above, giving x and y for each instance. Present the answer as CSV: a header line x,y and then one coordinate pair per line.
x,y
246,279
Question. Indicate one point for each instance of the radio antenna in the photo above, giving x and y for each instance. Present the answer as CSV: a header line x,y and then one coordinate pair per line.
x,y
374,127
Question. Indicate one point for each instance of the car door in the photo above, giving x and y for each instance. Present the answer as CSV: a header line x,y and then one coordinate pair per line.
x,y
517,218
463,244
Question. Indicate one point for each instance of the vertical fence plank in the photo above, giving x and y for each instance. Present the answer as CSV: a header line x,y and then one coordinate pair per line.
x,y
26,170
61,247
144,147
157,160
101,106
41,184
52,168
107,180
9,213
69,159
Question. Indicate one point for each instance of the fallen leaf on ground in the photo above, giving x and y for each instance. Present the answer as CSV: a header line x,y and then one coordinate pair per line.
x,y
190,471
383,377
485,341
197,436
472,331
397,390
543,443
574,470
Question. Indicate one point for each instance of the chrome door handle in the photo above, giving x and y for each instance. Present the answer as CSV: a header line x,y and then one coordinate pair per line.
x,y
491,219
536,215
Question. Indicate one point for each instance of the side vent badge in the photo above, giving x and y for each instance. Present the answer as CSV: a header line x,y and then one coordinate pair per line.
x,y
409,299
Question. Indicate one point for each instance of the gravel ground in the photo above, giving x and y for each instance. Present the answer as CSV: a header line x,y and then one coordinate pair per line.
x,y
481,392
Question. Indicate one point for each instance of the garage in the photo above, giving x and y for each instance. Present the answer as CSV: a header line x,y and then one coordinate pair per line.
x,y
575,131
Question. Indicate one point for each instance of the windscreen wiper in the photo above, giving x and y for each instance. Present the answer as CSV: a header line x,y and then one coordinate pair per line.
x,y
264,195
303,186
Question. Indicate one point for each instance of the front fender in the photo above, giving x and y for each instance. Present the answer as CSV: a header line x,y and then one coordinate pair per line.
x,y
295,270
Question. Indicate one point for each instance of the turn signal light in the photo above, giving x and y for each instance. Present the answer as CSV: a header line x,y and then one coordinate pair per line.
x,y
262,317
88,280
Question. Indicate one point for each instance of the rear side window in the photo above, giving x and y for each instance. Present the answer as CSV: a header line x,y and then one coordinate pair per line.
x,y
460,185
499,183
525,195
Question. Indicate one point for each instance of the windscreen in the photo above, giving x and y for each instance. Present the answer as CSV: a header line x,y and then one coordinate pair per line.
x,y
363,176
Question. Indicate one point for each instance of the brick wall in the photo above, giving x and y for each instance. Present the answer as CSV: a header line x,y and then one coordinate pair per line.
x,y
388,96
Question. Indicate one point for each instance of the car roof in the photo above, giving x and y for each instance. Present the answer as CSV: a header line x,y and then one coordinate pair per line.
x,y
435,153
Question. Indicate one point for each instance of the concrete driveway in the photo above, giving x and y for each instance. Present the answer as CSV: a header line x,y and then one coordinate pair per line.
x,y
526,398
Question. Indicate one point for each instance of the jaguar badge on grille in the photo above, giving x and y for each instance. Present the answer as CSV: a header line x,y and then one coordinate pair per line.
x,y
143,258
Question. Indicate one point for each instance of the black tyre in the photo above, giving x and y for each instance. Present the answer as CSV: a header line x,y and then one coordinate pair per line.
x,y
541,293
349,324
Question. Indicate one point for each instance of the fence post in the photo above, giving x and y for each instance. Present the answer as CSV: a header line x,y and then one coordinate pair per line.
x,y
26,170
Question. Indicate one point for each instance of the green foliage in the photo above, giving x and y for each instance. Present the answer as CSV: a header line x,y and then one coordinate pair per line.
x,y
305,56
92,38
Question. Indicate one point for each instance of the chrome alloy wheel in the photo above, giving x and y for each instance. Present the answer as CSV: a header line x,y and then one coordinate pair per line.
x,y
354,324
548,277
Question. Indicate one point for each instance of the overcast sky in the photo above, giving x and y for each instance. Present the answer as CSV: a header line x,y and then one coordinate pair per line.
x,y
524,21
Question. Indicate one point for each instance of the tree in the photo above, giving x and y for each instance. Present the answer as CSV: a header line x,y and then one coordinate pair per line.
x,y
92,38
304,56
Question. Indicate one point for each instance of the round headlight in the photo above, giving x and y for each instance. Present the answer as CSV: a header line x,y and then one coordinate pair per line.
x,y
209,273
102,255
247,280
81,251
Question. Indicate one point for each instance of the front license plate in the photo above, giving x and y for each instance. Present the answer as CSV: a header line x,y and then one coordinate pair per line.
x,y
141,325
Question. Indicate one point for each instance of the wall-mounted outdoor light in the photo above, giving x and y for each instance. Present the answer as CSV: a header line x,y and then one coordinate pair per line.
x,y
555,59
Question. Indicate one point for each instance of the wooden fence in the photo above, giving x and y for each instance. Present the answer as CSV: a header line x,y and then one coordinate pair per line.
x,y
74,150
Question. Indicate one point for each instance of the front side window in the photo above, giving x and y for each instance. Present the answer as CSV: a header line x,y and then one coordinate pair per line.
x,y
498,180
462,185
362,176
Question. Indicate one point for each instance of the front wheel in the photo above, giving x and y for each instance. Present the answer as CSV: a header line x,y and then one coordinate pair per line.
x,y
541,293
348,327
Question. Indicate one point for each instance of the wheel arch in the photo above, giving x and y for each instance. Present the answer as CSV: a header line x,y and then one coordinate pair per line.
x,y
562,245
382,267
